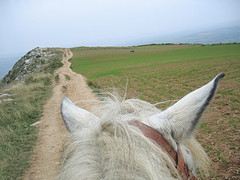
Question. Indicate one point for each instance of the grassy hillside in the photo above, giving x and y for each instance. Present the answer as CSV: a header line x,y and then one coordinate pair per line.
x,y
168,72
21,105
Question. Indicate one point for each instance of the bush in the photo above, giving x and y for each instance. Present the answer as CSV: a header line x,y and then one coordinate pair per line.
x,y
57,78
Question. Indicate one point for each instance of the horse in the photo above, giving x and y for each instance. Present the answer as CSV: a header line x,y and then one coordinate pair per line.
x,y
132,139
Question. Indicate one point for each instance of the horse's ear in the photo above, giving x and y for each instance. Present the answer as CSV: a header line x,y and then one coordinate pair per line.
x,y
75,117
183,117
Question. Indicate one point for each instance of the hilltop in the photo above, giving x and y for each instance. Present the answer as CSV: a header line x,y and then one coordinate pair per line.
x,y
36,60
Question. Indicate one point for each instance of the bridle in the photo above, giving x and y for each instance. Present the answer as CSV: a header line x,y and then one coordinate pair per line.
x,y
177,157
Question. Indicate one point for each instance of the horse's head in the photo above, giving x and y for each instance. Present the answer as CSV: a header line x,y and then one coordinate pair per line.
x,y
177,123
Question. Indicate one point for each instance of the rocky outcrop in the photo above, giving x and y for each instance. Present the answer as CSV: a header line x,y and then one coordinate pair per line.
x,y
38,59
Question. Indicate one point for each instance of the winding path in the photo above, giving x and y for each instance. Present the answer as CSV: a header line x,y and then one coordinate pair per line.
x,y
46,160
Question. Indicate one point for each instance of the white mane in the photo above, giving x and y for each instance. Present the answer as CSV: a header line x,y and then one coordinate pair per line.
x,y
108,147
117,148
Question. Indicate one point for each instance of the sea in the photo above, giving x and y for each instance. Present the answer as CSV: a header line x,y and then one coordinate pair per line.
x,y
6,64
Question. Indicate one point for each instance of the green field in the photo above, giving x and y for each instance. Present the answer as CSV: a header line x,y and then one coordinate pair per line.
x,y
150,68
168,72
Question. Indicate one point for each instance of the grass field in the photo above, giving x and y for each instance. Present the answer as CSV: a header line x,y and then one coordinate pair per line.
x,y
17,135
168,72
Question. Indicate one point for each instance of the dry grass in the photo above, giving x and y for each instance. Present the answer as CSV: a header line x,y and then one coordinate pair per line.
x,y
17,137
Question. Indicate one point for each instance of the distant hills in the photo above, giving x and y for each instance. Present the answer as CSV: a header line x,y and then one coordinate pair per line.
x,y
211,36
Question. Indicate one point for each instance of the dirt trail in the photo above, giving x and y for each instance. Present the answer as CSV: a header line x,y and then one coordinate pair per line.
x,y
46,161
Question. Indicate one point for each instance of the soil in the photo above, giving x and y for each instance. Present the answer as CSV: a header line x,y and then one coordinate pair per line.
x,y
46,160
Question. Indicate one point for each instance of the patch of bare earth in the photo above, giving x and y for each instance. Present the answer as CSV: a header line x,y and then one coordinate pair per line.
x,y
46,160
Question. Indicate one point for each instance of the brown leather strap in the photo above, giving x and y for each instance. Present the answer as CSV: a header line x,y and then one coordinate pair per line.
x,y
177,157
157,137
181,164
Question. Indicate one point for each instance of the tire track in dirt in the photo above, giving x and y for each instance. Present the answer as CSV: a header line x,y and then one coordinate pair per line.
x,y
45,163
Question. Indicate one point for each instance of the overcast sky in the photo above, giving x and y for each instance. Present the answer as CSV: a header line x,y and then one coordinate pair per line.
x,y
26,24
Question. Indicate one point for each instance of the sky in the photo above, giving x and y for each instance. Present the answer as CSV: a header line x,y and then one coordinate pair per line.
x,y
26,24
